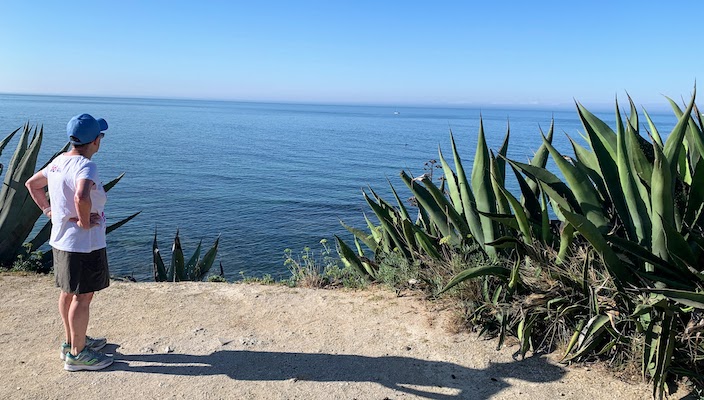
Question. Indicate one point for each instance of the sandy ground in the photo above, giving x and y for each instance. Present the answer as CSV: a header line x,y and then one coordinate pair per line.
x,y
248,341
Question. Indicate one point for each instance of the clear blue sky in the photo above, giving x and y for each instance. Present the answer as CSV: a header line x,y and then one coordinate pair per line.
x,y
390,52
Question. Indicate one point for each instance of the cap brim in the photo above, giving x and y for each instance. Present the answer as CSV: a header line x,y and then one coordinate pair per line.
x,y
103,124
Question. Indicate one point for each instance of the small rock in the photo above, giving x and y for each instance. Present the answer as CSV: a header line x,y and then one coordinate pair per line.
x,y
224,342
408,348
249,341
168,349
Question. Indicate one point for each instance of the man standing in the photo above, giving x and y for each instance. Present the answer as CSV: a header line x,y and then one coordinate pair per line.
x,y
77,237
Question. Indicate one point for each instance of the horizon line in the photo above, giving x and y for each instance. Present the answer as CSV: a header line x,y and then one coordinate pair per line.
x,y
454,105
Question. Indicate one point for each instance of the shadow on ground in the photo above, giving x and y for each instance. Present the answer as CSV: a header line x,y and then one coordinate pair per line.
x,y
397,373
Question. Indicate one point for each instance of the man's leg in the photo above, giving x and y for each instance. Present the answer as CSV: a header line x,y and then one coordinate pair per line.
x,y
64,305
78,315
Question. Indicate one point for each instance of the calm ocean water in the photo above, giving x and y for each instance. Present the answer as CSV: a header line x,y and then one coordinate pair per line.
x,y
265,177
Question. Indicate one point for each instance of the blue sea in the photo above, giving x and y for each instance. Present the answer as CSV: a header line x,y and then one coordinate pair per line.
x,y
266,177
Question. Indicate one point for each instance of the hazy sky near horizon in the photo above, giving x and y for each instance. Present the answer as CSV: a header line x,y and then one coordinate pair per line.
x,y
385,52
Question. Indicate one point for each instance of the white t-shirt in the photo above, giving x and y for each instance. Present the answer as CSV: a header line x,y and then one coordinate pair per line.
x,y
62,174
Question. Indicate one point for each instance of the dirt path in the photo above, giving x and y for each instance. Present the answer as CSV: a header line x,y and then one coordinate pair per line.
x,y
246,341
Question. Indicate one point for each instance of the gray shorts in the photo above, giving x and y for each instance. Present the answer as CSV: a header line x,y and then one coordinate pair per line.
x,y
80,273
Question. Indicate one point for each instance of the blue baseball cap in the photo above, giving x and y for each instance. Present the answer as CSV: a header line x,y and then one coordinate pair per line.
x,y
83,129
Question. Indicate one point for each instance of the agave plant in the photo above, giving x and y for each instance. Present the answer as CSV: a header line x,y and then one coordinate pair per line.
x,y
195,269
461,212
18,213
653,237
636,203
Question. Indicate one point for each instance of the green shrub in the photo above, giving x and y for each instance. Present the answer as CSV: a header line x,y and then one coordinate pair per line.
x,y
320,268
30,261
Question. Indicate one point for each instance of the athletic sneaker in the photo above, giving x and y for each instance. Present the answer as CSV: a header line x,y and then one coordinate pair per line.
x,y
87,360
91,343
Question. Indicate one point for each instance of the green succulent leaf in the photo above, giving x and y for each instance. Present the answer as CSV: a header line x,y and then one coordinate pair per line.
x,y
160,273
191,263
350,259
468,201
118,224
637,220
452,184
367,239
550,184
177,261
113,182
386,220
590,336
203,267
476,272
430,205
482,188
685,297
585,194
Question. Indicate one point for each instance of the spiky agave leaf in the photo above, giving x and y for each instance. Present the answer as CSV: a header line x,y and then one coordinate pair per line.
x,y
401,207
7,139
695,199
590,336
556,190
637,220
598,131
160,273
392,230
663,211
429,203
498,182
367,239
580,185
540,158
452,185
604,143
673,143
121,222
476,272
451,214
429,246
520,215
483,191
18,213
203,266
469,205
190,267
666,341
177,261
350,259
